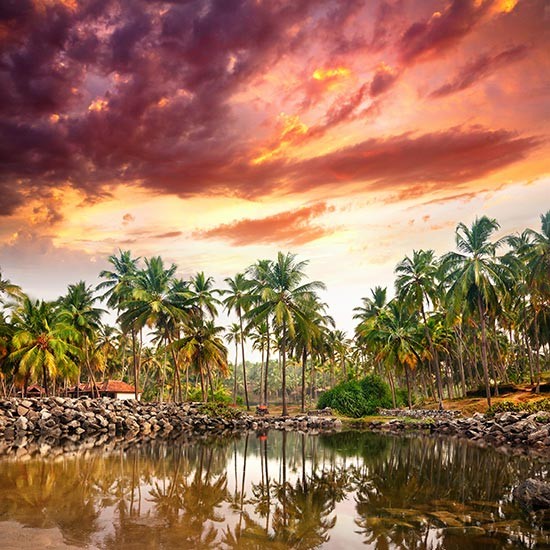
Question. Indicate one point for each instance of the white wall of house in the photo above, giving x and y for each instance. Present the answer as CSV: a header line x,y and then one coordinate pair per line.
x,y
127,396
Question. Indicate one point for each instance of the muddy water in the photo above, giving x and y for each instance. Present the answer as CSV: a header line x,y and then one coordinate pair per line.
x,y
283,490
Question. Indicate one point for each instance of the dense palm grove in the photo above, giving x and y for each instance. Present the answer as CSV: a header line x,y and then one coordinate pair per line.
x,y
471,319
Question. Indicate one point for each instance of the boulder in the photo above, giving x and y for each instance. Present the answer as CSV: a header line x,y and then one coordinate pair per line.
x,y
533,494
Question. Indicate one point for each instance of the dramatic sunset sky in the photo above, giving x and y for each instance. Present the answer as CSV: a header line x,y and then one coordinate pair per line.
x,y
215,133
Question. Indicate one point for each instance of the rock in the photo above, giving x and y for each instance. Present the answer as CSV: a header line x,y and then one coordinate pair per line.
x,y
533,494
21,424
22,411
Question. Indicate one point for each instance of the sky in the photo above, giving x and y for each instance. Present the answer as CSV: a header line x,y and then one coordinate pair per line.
x,y
216,133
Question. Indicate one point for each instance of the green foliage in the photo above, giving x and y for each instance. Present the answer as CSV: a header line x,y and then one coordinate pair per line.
x,y
510,406
219,410
356,399
221,395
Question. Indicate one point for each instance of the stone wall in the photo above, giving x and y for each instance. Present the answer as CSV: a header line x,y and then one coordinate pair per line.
x,y
62,419
519,432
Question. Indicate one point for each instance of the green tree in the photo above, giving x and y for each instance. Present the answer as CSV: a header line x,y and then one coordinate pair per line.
x,y
42,343
239,299
155,298
416,287
281,298
476,279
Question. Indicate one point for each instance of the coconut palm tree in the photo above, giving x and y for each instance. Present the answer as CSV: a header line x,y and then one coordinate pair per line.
x,y
239,299
118,286
203,349
416,287
77,310
396,337
281,299
234,335
539,282
155,298
476,279
9,290
259,274
42,343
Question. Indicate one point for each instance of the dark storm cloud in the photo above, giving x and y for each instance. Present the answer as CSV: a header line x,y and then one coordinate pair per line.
x,y
141,92
168,75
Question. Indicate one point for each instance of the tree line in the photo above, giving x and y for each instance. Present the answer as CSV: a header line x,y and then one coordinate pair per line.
x,y
477,316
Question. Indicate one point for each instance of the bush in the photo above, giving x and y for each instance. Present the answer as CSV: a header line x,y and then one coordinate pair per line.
x,y
219,410
221,395
510,406
356,399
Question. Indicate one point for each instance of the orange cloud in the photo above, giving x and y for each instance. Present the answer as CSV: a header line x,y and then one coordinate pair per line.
x,y
294,227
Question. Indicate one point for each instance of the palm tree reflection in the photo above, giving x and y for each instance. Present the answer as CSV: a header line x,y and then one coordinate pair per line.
x,y
287,490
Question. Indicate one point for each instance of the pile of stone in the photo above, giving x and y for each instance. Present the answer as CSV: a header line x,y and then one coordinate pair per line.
x,y
419,413
523,431
62,418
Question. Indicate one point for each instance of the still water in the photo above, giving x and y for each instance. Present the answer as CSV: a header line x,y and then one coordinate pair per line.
x,y
284,490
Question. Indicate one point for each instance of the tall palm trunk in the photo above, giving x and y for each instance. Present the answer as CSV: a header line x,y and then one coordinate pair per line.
x,y
304,361
244,364
408,386
134,353
235,372
268,341
435,363
283,369
484,349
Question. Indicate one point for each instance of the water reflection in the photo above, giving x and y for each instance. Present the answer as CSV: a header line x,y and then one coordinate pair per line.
x,y
277,490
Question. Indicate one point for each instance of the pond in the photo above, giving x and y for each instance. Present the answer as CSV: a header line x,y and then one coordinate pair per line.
x,y
272,491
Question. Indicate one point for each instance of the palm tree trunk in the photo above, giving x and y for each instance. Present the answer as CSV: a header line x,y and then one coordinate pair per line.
x,y
461,367
304,360
408,386
235,372
244,364
266,361
537,351
45,379
484,350
134,353
392,387
435,364
283,369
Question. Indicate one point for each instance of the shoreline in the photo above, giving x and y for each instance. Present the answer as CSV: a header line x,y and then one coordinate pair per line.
x,y
30,426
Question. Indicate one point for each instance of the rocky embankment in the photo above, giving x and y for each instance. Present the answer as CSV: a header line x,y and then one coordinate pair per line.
x,y
64,420
518,431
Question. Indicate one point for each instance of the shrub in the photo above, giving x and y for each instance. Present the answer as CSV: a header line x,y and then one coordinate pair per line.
x,y
221,395
356,399
510,406
219,410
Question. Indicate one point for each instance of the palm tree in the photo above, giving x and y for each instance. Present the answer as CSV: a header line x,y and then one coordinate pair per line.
x,y
118,285
396,336
155,298
239,299
234,335
42,343
203,348
78,311
260,274
281,298
416,286
9,289
202,295
539,281
475,278
308,331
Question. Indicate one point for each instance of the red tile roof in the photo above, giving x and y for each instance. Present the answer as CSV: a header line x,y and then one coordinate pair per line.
x,y
109,386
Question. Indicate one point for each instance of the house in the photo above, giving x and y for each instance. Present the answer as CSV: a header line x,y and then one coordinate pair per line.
x,y
116,389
